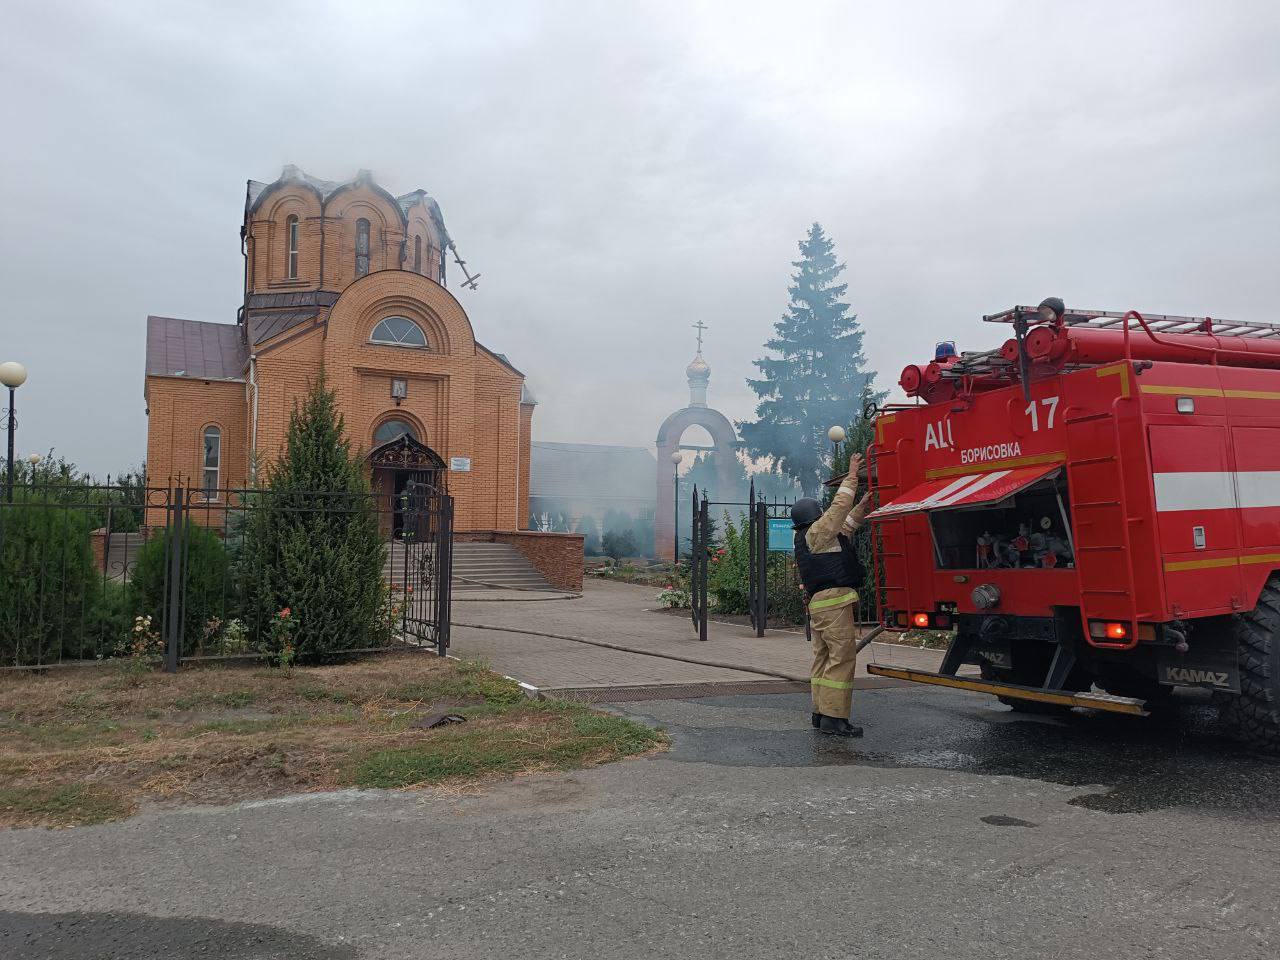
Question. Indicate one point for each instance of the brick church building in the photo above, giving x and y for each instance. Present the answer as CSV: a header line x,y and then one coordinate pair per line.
x,y
348,279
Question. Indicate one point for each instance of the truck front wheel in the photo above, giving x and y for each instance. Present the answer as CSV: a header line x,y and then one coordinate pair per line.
x,y
1255,713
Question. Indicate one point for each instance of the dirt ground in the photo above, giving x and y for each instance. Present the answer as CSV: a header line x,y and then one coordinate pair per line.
x,y
96,744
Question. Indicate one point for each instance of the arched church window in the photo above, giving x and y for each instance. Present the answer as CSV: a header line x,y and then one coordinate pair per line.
x,y
291,240
212,461
399,332
390,430
417,254
362,247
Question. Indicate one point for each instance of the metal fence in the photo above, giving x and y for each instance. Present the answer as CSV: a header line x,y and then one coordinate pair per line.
x,y
774,590
100,572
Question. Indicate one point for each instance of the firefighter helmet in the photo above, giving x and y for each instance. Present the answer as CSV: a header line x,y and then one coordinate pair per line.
x,y
805,512
1055,304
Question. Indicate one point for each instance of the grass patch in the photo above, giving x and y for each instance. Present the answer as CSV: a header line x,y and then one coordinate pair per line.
x,y
545,735
56,806
236,699
231,700
315,694
244,727
79,746
552,735
469,681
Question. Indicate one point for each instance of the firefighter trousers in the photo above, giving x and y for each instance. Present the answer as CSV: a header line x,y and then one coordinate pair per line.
x,y
835,640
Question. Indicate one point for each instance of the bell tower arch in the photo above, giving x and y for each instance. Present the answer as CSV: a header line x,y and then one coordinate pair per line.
x,y
724,439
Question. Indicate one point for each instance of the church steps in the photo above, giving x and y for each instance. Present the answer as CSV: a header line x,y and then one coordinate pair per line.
x,y
477,566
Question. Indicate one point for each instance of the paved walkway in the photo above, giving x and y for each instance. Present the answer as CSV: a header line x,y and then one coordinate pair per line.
x,y
528,641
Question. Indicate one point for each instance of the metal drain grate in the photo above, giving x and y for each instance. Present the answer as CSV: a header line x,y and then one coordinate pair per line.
x,y
682,691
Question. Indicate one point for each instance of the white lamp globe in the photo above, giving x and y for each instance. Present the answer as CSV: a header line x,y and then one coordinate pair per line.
x,y
12,374
677,456
836,434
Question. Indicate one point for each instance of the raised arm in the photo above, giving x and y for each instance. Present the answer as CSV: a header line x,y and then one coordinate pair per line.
x,y
845,514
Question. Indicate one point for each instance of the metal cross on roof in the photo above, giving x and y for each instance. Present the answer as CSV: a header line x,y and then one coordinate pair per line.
x,y
699,326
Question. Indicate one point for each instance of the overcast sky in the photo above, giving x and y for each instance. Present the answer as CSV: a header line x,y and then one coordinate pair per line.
x,y
617,171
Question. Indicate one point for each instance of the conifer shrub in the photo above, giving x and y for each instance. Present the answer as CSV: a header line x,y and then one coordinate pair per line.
x,y
617,544
311,545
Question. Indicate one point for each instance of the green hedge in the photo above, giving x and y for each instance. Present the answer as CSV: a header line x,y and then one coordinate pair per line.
x,y
49,591
208,598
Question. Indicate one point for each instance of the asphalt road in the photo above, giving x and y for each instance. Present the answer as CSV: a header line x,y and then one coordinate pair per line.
x,y
954,829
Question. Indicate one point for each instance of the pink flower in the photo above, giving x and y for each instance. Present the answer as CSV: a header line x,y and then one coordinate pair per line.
x,y
284,614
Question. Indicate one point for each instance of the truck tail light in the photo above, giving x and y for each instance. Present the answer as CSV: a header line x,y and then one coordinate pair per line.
x,y
1117,631
941,620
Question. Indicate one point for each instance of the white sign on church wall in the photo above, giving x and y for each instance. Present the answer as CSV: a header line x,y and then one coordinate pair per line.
x,y
460,464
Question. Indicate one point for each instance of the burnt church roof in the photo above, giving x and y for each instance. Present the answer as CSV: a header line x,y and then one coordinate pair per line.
x,y
195,349
326,188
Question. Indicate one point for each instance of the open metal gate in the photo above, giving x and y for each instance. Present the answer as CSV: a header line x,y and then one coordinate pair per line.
x,y
762,515
427,535
699,562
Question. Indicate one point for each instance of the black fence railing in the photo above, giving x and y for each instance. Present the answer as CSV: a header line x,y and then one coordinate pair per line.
x,y
774,594
99,572
699,563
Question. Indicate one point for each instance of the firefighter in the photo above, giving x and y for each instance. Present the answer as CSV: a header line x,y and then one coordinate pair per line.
x,y
831,572
1051,309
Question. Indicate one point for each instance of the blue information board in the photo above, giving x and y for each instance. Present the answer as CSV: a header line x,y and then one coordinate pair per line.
x,y
781,536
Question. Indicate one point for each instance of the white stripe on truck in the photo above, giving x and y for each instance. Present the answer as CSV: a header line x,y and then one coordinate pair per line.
x,y
1217,490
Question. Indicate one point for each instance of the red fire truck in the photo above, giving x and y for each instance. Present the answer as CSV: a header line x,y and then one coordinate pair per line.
x,y
1094,508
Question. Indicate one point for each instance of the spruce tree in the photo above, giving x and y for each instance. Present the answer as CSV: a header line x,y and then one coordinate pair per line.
x,y
818,378
311,543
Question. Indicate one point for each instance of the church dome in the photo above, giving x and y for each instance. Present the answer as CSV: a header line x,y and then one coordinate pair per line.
x,y
699,369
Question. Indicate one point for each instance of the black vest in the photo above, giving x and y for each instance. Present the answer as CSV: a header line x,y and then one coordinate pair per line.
x,y
823,571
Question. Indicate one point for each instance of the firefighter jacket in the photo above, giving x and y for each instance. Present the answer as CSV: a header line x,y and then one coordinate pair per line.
x,y
825,554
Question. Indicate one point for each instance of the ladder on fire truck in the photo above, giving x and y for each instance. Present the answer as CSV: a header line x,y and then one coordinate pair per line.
x,y
1157,322
1103,526
994,363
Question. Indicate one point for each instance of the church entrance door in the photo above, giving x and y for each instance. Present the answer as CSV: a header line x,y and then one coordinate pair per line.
x,y
403,468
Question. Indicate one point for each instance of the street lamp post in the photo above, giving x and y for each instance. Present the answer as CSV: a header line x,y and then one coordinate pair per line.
x,y
34,459
12,375
676,457
836,434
